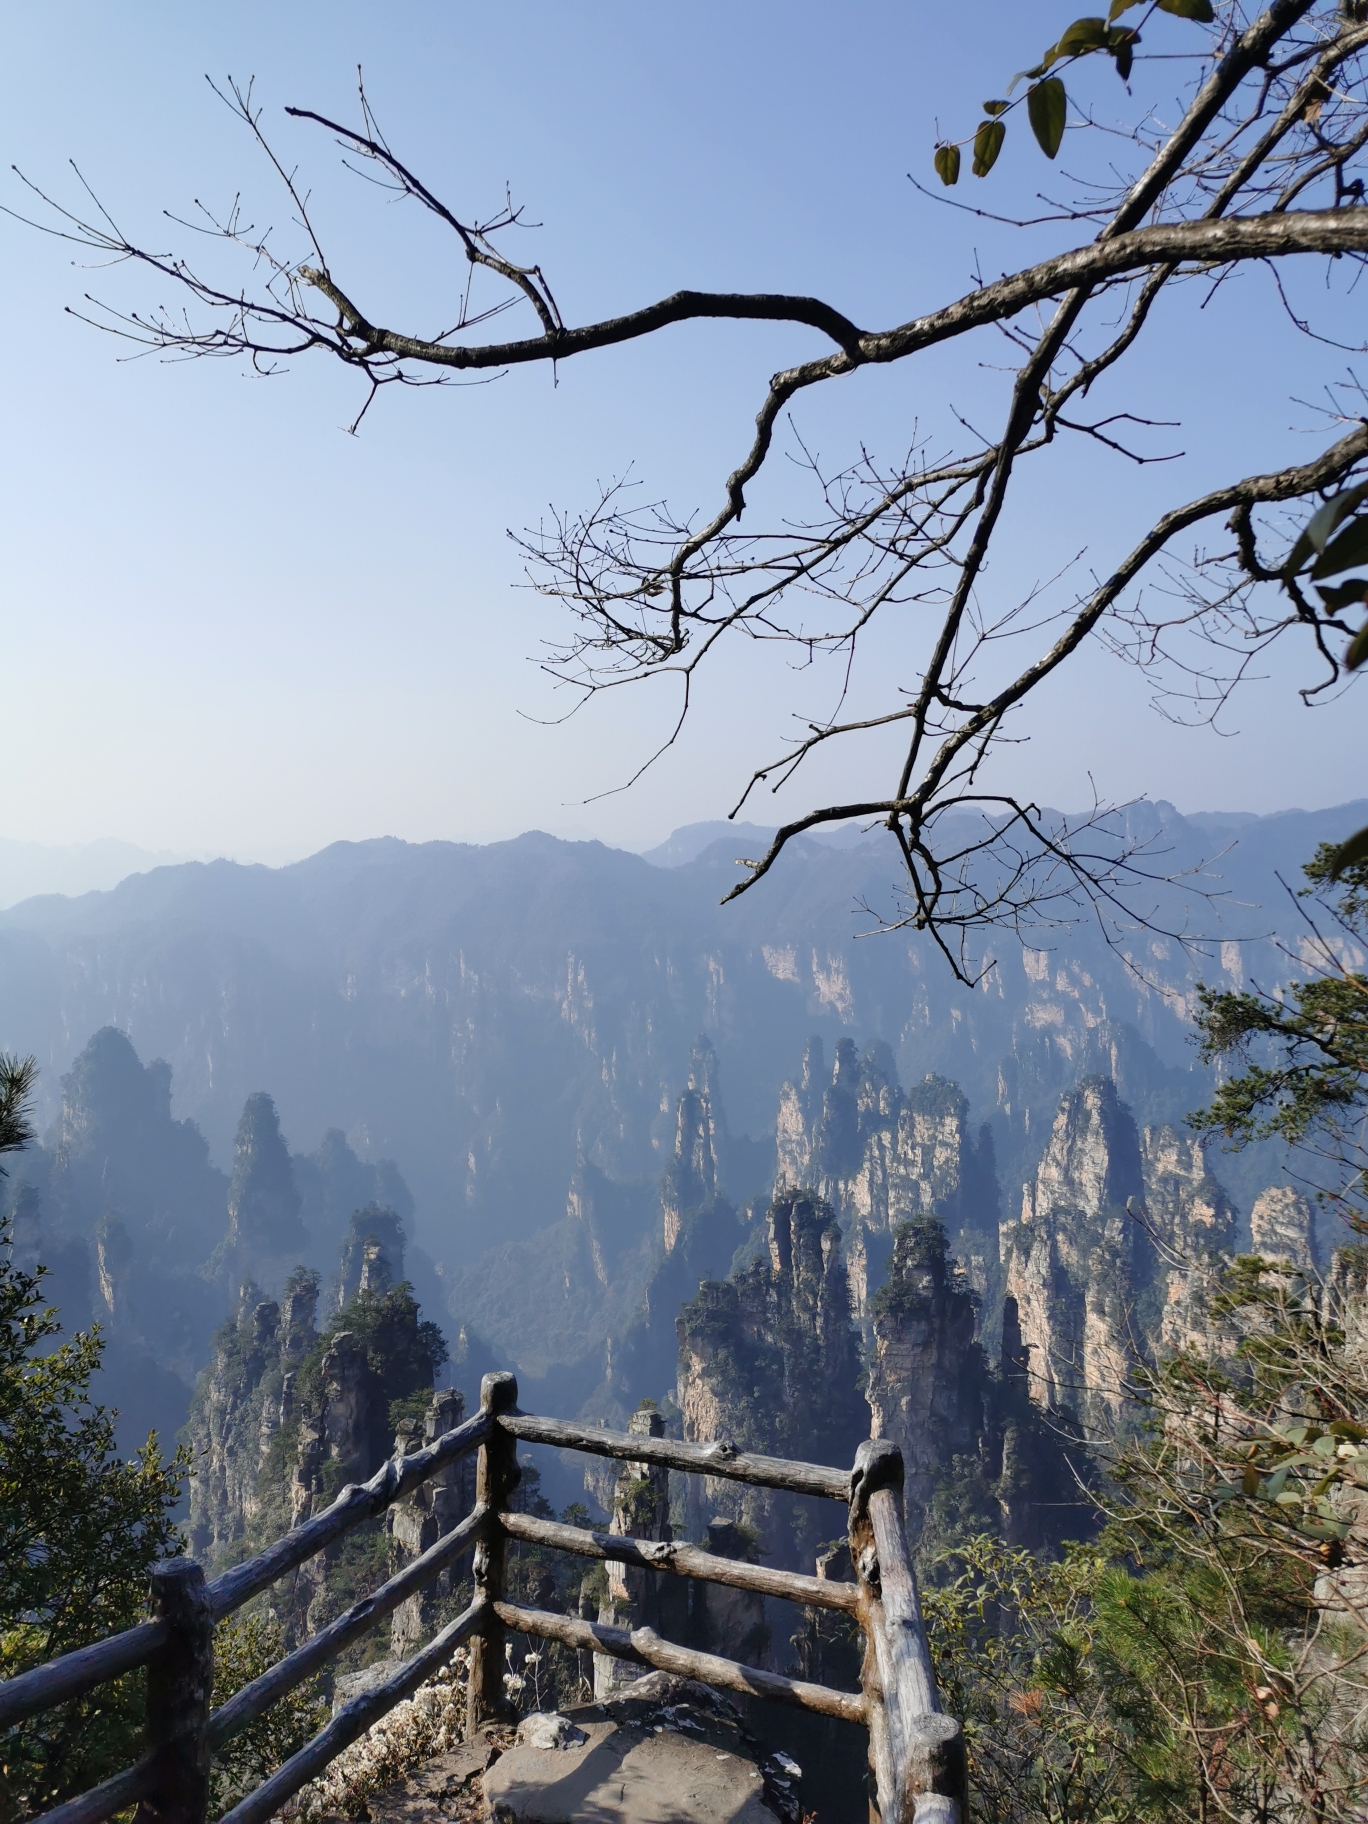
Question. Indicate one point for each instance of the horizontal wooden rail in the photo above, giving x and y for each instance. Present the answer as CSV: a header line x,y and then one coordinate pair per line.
x,y
719,1459
645,1648
101,1802
353,1720
916,1753
255,1699
396,1477
77,1672
685,1561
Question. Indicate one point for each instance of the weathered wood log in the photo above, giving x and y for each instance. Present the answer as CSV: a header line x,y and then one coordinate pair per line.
x,y
496,1476
80,1671
180,1683
255,1699
77,1672
644,1647
356,1503
916,1753
720,1459
353,1720
103,1801
684,1561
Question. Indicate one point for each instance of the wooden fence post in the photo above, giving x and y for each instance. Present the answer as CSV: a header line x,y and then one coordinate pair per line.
x,y
180,1684
915,1752
496,1476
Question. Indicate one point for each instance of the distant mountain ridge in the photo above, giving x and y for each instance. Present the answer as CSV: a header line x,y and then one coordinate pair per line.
x,y
489,1016
31,868
750,839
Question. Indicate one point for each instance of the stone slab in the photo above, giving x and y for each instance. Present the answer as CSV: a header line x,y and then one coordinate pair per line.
x,y
627,1772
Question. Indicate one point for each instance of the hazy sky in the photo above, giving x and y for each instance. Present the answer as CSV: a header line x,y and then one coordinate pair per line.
x,y
231,627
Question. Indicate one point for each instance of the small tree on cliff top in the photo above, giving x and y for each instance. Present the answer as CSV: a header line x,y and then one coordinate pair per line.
x,y
1263,167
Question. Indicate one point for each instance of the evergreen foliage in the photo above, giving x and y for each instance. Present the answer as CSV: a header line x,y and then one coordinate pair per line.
x,y
79,1528
1303,1048
17,1077
244,1647
403,1351
1205,1658
919,1250
374,1226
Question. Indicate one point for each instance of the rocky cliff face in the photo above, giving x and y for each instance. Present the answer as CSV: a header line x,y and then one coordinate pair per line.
x,y
635,1598
690,1179
926,1381
592,1301
285,1414
1282,1226
243,1399
128,1205
768,1358
116,1149
416,1523
123,1201
881,1156
372,1253
265,1234
1099,1262
333,1182
976,1454
1344,1298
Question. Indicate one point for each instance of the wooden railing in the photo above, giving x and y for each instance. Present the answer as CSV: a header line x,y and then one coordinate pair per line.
x,y
916,1754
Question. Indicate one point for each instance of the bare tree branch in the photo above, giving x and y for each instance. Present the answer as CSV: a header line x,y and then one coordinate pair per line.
x,y
1264,167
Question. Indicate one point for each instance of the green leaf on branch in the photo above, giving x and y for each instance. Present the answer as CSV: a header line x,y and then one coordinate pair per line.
x,y
1046,107
1046,101
1325,519
1121,42
987,144
1344,595
947,163
1082,36
1348,549
1358,646
1316,533
1326,1529
1027,76
1345,856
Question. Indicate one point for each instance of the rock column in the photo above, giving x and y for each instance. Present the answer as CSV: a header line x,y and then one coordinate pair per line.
x,y
636,1598
418,1521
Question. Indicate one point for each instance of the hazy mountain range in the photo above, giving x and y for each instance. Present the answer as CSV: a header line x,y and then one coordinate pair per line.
x,y
498,1021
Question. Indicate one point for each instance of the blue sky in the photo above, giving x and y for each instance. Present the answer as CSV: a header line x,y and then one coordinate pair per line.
x,y
231,628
